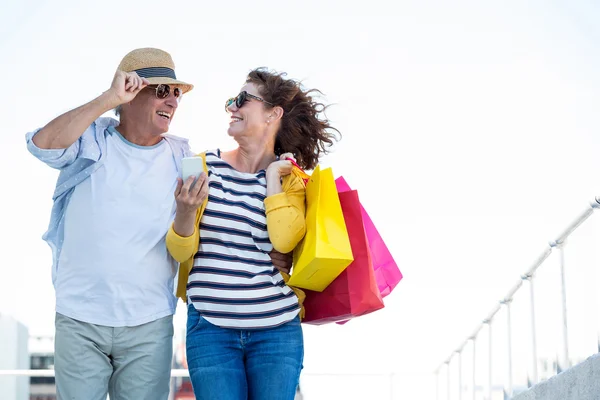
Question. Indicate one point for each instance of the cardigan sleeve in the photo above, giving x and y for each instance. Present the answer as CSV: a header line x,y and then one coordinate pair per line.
x,y
182,248
285,214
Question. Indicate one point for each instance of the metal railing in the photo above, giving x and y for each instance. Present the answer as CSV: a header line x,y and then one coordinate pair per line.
x,y
558,244
386,378
44,373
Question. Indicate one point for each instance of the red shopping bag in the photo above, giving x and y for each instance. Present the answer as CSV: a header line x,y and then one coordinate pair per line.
x,y
387,273
354,292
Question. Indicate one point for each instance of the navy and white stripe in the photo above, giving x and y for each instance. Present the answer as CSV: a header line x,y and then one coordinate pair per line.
x,y
233,283
155,72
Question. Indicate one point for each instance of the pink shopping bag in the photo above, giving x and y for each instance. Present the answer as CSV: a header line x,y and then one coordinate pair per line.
x,y
387,273
354,292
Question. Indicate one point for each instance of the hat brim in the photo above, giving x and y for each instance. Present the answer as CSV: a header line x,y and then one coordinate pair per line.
x,y
157,80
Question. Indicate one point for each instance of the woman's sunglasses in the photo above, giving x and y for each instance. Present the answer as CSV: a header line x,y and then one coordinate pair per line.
x,y
162,91
242,98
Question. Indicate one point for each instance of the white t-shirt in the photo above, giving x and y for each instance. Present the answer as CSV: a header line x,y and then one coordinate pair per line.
x,y
114,269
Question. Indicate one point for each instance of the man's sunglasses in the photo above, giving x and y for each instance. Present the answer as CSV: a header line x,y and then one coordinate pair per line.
x,y
162,91
242,98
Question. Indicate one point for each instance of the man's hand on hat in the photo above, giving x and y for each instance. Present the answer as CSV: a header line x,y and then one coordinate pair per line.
x,y
125,86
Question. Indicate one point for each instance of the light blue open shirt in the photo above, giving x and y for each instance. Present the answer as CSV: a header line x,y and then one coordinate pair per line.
x,y
76,163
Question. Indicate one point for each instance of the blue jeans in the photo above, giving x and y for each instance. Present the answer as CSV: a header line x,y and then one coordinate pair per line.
x,y
237,364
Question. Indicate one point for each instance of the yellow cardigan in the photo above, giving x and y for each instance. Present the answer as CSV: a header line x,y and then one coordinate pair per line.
x,y
285,223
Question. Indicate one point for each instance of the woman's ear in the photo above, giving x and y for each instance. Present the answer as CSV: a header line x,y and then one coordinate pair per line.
x,y
276,114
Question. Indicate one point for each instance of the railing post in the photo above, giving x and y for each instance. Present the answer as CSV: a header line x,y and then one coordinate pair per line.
x,y
534,372
566,360
437,384
474,365
507,302
489,386
564,363
596,205
448,379
460,375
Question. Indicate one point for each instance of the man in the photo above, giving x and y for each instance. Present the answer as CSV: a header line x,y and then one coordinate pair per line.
x,y
113,204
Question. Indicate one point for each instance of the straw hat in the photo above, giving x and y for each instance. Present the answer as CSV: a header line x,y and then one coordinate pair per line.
x,y
153,64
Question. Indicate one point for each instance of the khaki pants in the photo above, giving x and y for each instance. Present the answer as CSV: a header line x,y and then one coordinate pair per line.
x,y
91,361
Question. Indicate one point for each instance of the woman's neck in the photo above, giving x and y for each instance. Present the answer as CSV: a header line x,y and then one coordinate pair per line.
x,y
250,159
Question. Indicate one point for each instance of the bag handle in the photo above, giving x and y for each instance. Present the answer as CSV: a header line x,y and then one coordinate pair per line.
x,y
299,172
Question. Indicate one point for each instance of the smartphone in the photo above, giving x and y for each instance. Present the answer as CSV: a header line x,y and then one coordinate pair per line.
x,y
191,166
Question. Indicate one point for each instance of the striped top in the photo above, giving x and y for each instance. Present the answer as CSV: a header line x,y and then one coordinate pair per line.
x,y
233,283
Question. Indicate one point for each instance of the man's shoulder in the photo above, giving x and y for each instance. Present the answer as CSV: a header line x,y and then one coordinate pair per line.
x,y
180,145
177,139
103,123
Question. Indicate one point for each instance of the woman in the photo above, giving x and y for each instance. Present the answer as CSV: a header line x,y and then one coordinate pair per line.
x,y
244,339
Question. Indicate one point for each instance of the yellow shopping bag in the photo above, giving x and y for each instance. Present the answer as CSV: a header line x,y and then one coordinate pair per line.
x,y
325,250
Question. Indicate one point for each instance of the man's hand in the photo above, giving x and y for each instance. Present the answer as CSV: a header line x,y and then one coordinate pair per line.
x,y
125,86
283,262
63,131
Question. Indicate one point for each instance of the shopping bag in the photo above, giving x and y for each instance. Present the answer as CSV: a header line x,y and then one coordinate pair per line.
x,y
325,250
387,273
354,292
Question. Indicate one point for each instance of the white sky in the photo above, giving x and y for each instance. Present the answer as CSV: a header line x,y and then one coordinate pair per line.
x,y
469,128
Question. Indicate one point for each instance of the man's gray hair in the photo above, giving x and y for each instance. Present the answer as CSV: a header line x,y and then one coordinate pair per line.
x,y
118,110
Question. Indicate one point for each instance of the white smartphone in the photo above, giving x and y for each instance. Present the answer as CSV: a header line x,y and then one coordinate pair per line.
x,y
191,166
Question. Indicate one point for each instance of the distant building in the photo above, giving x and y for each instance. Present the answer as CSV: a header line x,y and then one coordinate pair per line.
x,y
13,347
41,355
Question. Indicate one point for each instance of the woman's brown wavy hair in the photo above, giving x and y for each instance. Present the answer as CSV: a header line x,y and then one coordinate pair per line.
x,y
304,130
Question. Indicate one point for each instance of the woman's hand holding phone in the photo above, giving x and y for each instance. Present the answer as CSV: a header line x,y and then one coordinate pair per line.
x,y
190,195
